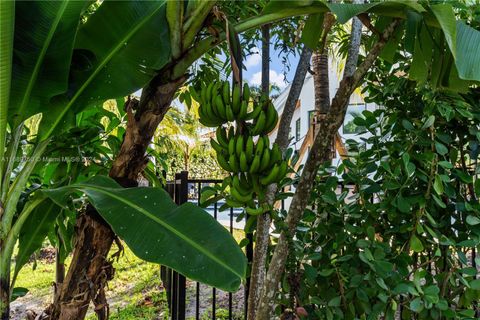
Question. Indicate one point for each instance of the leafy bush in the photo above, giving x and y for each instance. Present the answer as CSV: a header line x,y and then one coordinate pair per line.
x,y
400,236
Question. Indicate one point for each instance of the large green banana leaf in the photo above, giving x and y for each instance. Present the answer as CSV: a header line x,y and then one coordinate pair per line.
x,y
7,9
463,40
468,52
117,51
44,36
185,237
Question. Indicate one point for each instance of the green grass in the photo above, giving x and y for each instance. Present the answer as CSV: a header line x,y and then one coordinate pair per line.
x,y
135,292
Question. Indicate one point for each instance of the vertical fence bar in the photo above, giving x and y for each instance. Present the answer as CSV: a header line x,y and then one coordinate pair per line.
x,y
197,287
182,281
214,290
230,296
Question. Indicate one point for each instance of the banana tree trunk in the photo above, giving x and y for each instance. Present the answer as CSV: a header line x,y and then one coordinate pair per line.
x,y
90,268
4,293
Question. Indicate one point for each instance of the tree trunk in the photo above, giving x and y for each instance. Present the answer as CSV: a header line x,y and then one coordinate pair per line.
x,y
59,273
5,294
263,223
257,275
90,268
327,130
321,83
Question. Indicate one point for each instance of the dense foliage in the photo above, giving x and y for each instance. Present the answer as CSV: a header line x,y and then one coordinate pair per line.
x,y
394,228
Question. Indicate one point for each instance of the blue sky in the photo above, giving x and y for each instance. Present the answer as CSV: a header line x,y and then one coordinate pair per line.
x,y
253,65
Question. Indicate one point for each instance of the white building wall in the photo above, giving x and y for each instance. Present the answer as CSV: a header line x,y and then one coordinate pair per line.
x,y
307,104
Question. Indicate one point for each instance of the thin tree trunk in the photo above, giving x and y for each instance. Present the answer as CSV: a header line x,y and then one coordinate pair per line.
x,y
59,272
263,223
327,130
4,294
90,268
257,274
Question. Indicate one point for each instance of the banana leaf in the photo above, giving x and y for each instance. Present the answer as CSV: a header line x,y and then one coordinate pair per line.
x,y
185,238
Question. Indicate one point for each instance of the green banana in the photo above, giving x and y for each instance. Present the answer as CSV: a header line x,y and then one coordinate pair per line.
x,y
231,145
259,124
203,95
239,145
243,162
266,140
233,162
275,154
237,185
255,211
265,163
271,176
205,119
244,182
236,101
216,146
257,188
229,113
254,113
255,164
210,114
220,107
272,118
242,114
226,92
282,171
231,132
246,92
221,135
223,162
259,147
249,148
208,95
238,196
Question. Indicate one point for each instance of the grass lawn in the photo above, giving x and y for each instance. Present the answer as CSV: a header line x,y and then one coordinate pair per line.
x,y
136,292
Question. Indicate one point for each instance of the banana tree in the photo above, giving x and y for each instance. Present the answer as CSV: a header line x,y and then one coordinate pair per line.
x,y
105,62
51,63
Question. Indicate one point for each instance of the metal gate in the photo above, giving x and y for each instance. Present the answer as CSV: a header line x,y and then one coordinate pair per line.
x,y
182,190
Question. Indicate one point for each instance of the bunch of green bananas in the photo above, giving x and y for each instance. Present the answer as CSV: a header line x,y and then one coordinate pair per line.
x,y
219,106
264,116
253,164
237,153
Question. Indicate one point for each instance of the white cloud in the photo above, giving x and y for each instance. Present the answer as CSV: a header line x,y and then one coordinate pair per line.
x,y
275,78
254,59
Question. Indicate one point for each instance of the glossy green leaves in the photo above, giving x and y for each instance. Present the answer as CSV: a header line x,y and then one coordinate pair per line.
x,y
185,237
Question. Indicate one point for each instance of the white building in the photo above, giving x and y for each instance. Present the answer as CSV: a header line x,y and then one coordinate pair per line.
x,y
303,116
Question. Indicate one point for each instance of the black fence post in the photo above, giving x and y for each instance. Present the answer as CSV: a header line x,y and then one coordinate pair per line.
x,y
181,280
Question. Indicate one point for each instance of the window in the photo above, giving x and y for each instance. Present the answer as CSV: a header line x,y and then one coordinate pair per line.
x,y
311,115
297,129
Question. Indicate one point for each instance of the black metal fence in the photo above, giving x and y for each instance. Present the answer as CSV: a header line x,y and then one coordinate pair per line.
x,y
182,189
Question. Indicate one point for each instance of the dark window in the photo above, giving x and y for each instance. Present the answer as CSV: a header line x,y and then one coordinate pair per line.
x,y
297,129
311,115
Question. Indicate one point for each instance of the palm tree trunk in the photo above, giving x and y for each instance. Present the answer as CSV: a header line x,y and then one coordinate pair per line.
x,y
90,268
321,85
321,82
